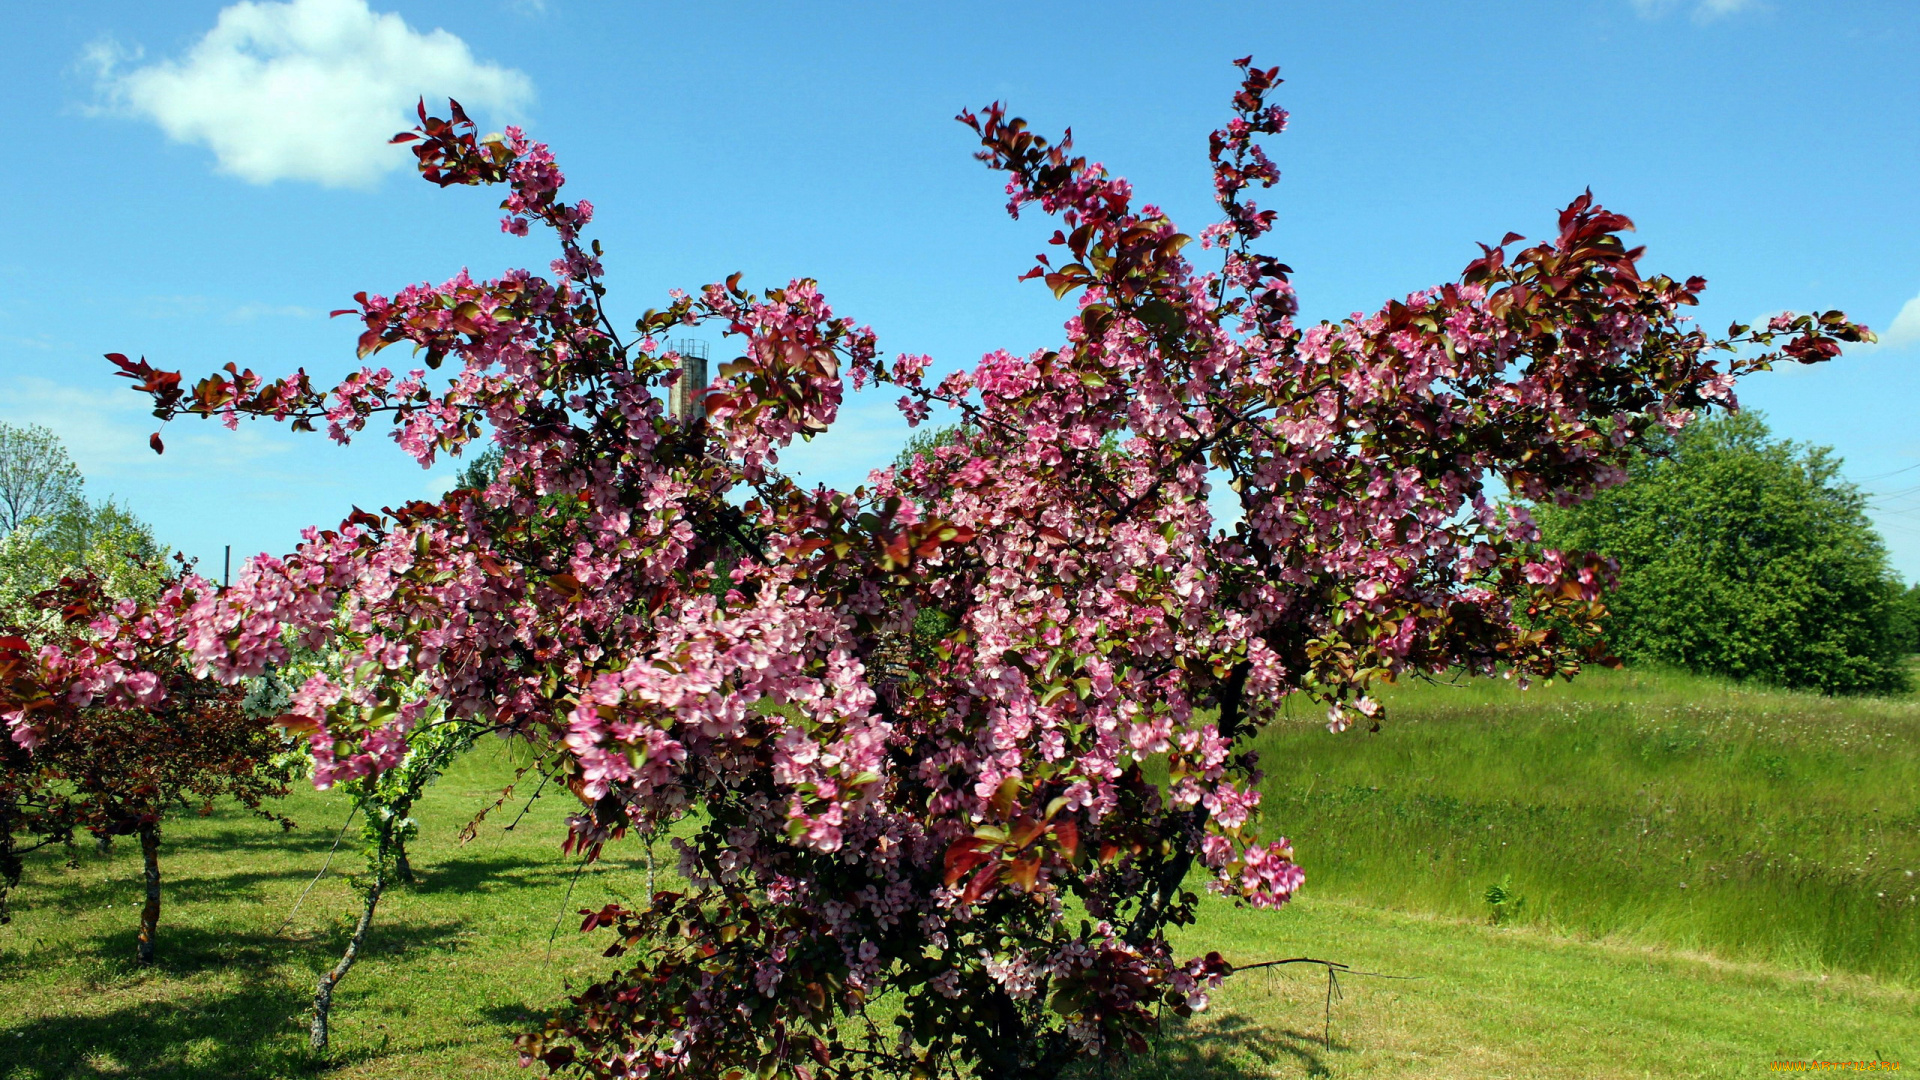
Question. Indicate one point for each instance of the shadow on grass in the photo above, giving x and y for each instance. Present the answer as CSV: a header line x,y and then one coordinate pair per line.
x,y
492,873
251,1031
177,887
256,1031
1227,1046
517,1018
185,884
183,951
221,1000
294,843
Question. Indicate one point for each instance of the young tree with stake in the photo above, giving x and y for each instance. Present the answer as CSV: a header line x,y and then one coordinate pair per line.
x,y
384,802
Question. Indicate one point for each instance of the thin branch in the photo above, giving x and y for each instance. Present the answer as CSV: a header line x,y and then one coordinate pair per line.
x,y
542,786
1343,968
1334,970
323,870
564,901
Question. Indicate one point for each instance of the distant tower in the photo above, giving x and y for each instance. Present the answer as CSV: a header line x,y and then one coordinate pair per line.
x,y
688,399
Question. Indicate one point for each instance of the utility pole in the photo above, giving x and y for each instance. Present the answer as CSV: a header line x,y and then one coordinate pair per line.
x,y
226,572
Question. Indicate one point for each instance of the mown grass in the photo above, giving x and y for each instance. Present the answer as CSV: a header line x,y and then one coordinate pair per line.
x,y
1655,808
480,948
1609,970
1490,1002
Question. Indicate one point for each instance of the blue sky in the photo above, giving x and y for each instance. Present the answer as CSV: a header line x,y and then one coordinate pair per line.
x,y
200,182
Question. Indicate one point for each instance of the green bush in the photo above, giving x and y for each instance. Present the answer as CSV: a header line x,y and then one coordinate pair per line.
x,y
1906,620
1744,556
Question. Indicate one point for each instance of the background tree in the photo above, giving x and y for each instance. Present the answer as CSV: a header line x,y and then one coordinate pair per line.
x,y
382,801
37,478
1003,846
116,769
1744,556
480,472
31,808
102,542
56,543
1906,620
927,440
52,532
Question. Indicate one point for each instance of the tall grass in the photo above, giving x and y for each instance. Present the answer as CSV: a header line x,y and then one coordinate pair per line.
x,y
1749,823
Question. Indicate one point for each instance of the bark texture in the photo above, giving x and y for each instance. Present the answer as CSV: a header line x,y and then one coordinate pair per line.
x,y
323,997
149,915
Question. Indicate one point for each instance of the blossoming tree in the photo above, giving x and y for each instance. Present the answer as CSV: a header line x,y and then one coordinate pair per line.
x,y
1000,840
113,765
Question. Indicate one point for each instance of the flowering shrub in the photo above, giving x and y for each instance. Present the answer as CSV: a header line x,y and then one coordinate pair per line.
x,y
1000,840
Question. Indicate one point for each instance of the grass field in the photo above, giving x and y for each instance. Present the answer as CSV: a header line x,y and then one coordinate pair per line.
x,y
1785,816
1662,809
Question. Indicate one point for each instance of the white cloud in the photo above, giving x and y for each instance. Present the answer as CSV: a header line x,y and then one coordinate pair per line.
x,y
305,90
105,432
1703,10
251,311
437,484
1904,330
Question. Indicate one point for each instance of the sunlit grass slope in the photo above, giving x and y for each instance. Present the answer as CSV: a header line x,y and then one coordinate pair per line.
x,y
1754,824
1609,969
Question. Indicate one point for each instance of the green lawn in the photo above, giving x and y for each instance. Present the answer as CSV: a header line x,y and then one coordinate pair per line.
x,y
1498,1002
1602,799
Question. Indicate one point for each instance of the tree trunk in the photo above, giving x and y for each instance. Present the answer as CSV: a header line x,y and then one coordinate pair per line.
x,y
323,997
149,915
402,869
1005,1058
1153,910
10,865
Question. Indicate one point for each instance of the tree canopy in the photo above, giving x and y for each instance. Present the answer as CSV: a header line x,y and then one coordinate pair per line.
x,y
1745,556
171,739
999,839
103,541
37,478
1906,620
48,531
